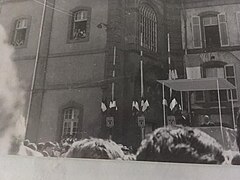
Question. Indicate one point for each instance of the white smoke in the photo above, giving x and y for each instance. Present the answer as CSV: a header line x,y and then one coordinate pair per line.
x,y
12,127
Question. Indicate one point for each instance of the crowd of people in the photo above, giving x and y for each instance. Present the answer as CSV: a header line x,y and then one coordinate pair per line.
x,y
167,144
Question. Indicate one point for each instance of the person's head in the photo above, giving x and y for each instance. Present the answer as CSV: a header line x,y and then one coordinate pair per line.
x,y
96,149
33,146
40,146
49,146
206,118
180,144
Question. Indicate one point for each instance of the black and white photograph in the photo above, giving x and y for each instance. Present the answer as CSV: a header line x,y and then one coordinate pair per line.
x,y
119,89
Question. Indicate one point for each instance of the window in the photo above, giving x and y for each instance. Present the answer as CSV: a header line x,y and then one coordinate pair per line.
x,y
70,122
238,21
230,76
20,32
210,31
199,96
80,25
216,72
148,27
213,95
196,29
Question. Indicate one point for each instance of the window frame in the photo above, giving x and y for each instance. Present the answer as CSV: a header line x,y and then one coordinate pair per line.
x,y
71,121
200,17
235,81
71,21
13,32
200,32
238,21
151,30
200,101
219,23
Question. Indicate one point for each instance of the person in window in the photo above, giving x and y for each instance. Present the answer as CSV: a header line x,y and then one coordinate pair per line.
x,y
207,121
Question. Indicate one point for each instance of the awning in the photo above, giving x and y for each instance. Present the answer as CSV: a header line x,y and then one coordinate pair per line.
x,y
202,84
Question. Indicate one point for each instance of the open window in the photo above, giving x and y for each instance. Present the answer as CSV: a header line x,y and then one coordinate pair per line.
x,y
79,25
210,30
20,32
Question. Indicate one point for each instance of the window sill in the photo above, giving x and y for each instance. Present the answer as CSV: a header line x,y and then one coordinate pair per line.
x,y
70,41
204,50
19,47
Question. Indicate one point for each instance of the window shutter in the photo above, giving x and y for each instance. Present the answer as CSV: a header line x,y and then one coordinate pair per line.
x,y
196,30
223,30
231,77
238,21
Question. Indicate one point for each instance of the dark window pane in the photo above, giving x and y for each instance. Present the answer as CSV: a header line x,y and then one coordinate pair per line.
x,y
229,71
199,96
214,95
212,36
231,80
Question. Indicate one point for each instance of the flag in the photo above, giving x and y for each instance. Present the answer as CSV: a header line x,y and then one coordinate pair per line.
x,y
173,104
165,102
170,74
113,104
103,107
144,105
135,105
174,74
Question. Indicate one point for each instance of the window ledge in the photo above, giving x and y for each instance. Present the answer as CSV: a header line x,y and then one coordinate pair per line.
x,y
204,50
70,41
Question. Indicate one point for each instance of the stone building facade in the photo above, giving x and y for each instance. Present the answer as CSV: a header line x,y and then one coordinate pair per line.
x,y
211,39
74,70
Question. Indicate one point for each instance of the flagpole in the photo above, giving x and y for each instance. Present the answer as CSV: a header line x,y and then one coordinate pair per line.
x,y
169,63
113,85
220,111
164,109
234,123
113,73
36,63
141,67
169,58
142,86
181,100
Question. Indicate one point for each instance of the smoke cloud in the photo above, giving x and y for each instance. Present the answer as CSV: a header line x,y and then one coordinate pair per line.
x,y
12,125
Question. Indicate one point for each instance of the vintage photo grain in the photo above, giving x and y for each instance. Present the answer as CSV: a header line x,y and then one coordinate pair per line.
x,y
119,83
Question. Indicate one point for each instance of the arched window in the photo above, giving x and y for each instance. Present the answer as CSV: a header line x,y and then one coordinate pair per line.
x,y
148,27
70,122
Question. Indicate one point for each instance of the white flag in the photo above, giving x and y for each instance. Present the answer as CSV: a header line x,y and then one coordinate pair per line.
x,y
170,74
103,107
113,104
145,106
175,74
135,105
173,104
